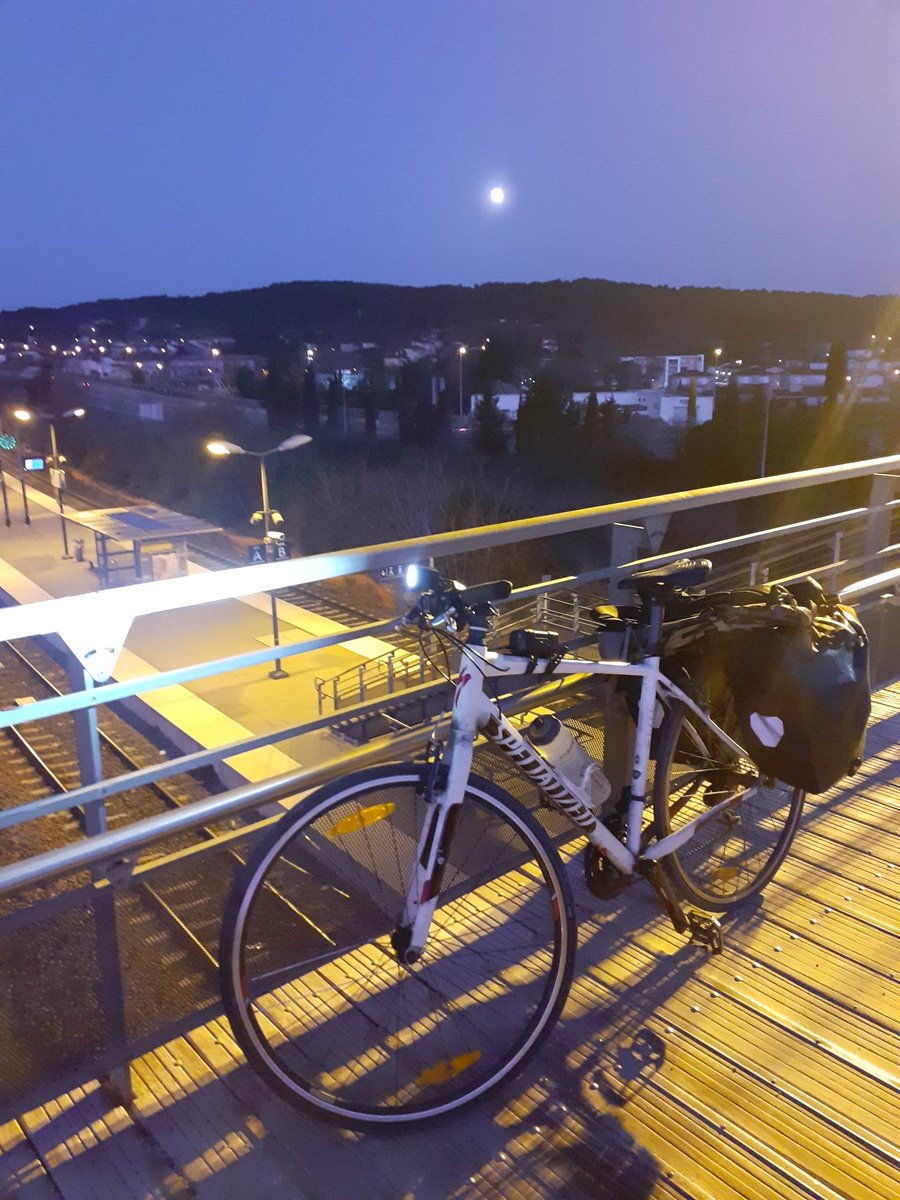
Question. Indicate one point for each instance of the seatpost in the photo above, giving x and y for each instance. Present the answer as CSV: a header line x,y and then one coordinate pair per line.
x,y
657,609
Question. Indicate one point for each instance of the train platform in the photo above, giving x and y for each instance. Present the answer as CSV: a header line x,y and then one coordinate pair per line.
x,y
209,712
769,1071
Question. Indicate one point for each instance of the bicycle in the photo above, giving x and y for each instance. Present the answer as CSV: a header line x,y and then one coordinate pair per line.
x,y
402,940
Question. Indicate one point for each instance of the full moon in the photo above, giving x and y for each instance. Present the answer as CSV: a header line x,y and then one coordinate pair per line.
x,y
497,195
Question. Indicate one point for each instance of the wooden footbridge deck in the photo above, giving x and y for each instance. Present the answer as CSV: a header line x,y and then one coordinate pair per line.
x,y
767,1072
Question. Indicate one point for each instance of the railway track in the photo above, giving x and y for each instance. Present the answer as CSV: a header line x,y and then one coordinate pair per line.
x,y
167,923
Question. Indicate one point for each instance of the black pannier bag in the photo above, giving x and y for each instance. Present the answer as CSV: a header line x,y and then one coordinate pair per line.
x,y
791,668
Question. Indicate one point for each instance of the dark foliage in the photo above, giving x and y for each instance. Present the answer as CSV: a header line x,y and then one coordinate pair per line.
x,y
591,317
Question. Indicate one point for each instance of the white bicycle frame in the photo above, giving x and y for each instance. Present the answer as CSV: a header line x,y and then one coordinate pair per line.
x,y
474,713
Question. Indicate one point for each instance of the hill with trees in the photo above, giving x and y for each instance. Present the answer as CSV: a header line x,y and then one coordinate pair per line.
x,y
591,318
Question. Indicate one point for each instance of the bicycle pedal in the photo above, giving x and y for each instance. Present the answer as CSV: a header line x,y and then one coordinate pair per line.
x,y
705,931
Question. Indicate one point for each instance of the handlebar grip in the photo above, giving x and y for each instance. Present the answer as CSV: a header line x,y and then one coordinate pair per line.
x,y
486,593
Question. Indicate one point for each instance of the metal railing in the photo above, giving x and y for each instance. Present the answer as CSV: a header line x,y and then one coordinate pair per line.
x,y
95,628
393,671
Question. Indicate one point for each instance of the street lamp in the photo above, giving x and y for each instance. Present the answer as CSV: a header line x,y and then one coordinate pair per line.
x,y
269,516
30,414
765,436
462,354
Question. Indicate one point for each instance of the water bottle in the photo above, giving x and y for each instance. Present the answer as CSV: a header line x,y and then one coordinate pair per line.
x,y
556,744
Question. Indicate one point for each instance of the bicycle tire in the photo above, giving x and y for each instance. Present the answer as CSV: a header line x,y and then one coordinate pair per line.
x,y
737,852
320,1005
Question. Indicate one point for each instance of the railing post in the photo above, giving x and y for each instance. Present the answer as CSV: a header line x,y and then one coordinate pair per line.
x,y
835,558
109,959
362,682
625,547
576,613
540,605
320,701
878,529
390,674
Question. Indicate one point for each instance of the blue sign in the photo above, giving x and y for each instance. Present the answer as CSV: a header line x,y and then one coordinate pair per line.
x,y
7,441
281,549
33,464
256,554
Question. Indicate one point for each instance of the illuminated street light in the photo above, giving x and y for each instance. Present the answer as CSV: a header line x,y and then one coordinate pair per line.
x,y
28,414
222,449
462,353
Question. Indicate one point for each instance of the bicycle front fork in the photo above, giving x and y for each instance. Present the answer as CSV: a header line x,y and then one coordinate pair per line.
x,y
439,784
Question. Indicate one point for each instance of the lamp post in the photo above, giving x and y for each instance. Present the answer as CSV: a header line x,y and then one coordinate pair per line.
x,y
765,436
462,354
269,516
3,484
28,414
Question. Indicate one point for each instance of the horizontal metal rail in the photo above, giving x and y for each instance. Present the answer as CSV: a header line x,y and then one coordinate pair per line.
x,y
752,539
109,610
168,595
116,846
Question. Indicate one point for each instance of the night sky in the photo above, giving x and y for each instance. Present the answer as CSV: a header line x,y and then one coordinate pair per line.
x,y
185,146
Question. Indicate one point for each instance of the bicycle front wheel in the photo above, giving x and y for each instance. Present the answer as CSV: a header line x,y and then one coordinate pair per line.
x,y
736,852
314,991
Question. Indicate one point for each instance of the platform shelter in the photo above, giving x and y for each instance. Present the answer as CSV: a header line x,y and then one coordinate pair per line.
x,y
138,543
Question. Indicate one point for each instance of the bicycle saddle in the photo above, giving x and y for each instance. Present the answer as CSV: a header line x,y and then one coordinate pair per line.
x,y
666,580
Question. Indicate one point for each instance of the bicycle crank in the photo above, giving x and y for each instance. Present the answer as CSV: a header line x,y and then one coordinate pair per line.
x,y
604,880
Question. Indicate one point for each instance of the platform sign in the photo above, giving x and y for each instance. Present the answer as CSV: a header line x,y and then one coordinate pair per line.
x,y
394,572
33,463
256,553
280,549
58,478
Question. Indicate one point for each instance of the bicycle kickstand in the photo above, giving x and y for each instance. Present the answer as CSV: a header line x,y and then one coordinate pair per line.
x,y
704,929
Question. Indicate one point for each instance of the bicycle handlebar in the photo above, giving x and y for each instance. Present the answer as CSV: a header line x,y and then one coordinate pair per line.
x,y
448,598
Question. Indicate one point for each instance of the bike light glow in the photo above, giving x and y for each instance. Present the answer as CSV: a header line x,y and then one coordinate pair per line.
x,y
412,576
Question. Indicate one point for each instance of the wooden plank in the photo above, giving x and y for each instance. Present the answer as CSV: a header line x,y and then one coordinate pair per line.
x,y
22,1174
92,1149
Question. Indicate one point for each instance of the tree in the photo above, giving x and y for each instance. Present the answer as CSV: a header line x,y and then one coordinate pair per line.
x,y
727,403
540,420
282,389
607,418
489,434
333,401
415,411
310,400
591,425
493,364
369,401
692,404
835,374
246,383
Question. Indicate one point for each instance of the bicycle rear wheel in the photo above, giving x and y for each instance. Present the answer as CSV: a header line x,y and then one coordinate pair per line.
x,y
315,994
737,851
